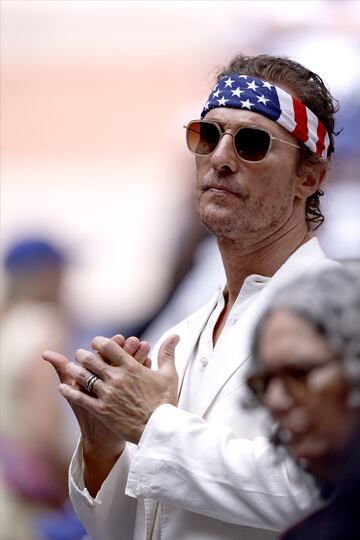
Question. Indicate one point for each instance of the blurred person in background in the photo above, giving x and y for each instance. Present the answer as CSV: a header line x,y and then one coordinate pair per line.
x,y
36,432
197,465
306,357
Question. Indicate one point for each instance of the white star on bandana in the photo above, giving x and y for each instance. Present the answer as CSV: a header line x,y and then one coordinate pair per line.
x,y
252,85
222,101
246,104
237,92
262,99
267,85
229,82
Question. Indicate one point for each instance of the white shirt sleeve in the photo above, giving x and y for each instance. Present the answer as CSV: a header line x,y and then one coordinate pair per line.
x,y
184,461
111,515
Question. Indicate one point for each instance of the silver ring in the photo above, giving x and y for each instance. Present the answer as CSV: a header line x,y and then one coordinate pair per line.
x,y
90,381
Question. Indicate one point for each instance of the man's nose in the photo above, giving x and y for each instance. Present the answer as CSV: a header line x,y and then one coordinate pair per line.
x,y
277,398
224,155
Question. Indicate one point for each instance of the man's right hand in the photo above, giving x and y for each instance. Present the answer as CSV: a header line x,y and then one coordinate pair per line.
x,y
101,447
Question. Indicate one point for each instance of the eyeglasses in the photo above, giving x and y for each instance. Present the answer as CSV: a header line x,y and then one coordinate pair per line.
x,y
296,379
252,144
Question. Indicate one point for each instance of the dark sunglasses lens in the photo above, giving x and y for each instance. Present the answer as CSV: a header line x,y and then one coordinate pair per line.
x,y
252,144
202,137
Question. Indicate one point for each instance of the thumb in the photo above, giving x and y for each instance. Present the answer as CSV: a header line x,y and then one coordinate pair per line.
x,y
166,355
59,363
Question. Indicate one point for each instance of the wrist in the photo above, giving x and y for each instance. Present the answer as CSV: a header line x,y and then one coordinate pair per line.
x,y
99,451
98,465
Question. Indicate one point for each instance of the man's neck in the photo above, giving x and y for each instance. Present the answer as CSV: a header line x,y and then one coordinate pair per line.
x,y
242,258
263,256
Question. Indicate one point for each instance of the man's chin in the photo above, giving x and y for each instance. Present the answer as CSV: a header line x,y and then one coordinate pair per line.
x,y
220,228
218,222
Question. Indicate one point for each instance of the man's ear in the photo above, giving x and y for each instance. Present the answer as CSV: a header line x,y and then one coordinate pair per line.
x,y
310,179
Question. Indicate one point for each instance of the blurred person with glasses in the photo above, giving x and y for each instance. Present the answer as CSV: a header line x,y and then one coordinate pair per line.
x,y
170,452
306,358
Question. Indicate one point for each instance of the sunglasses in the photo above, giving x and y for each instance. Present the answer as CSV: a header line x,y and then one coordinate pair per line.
x,y
252,144
295,379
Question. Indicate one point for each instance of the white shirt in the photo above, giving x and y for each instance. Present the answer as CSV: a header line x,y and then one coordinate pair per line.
x,y
205,352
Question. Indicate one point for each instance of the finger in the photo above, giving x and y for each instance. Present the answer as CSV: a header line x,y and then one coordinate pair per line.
x,y
166,355
93,363
148,363
131,345
137,349
119,339
142,353
111,351
78,398
81,375
59,362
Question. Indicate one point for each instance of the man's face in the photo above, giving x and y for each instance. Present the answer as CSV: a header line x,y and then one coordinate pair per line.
x,y
306,391
234,197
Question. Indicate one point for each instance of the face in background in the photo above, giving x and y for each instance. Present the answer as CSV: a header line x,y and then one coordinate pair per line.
x,y
305,391
234,197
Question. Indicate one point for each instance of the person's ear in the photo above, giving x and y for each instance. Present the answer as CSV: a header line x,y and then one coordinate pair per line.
x,y
310,179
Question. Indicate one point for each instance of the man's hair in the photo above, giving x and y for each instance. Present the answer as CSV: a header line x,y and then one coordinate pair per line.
x,y
309,88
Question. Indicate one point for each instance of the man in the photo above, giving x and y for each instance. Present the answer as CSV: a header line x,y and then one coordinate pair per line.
x,y
202,467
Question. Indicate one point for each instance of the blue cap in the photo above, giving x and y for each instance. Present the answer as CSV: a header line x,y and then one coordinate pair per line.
x,y
32,252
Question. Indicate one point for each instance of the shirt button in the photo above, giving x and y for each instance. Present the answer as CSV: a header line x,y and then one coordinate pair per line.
x,y
138,491
204,361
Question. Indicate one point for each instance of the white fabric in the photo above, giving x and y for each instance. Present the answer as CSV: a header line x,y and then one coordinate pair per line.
x,y
204,354
214,461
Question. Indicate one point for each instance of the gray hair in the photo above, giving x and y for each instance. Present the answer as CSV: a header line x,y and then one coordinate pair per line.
x,y
331,302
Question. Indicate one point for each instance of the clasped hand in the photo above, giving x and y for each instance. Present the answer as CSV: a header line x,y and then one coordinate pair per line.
x,y
126,392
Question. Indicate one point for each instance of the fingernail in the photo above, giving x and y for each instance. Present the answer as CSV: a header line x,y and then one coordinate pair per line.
x,y
118,337
81,352
62,389
100,340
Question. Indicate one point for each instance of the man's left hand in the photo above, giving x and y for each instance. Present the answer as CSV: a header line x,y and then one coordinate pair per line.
x,y
126,393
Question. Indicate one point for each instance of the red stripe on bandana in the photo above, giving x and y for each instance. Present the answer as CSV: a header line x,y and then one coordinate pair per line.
x,y
301,129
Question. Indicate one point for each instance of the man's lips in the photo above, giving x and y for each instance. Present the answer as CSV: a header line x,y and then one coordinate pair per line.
x,y
220,189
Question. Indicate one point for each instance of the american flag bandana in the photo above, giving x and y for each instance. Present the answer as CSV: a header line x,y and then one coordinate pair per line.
x,y
245,92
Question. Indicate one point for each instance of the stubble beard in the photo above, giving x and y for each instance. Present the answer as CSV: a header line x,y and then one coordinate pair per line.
x,y
252,217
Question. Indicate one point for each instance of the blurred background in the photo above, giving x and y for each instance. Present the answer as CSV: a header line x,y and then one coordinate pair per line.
x,y
97,221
